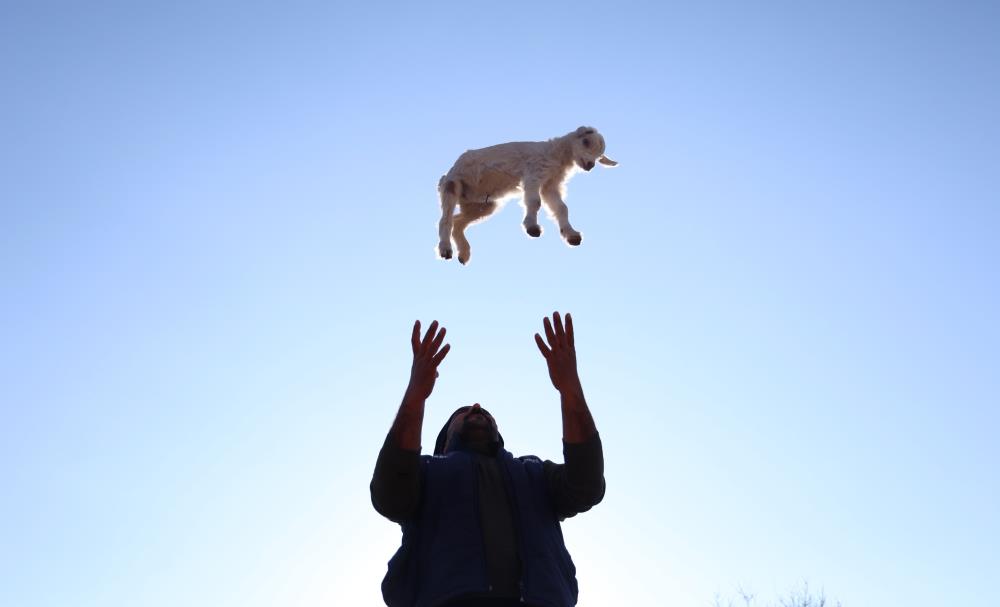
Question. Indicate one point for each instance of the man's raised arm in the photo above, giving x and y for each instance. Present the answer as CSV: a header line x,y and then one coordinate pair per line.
x,y
395,486
560,355
577,485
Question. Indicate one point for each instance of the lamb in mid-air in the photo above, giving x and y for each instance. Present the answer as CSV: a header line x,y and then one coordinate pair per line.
x,y
481,179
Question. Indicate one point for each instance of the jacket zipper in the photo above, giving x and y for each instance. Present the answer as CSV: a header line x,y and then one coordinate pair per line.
x,y
518,528
479,521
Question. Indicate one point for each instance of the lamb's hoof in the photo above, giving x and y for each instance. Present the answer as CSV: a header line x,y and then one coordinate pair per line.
x,y
463,259
534,231
444,253
574,240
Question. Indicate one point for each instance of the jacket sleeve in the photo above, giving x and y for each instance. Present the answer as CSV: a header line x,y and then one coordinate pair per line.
x,y
395,486
577,485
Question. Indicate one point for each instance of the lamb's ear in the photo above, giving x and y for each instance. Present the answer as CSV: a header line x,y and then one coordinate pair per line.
x,y
583,131
607,161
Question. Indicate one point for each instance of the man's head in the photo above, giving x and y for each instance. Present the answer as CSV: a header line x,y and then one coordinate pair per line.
x,y
471,427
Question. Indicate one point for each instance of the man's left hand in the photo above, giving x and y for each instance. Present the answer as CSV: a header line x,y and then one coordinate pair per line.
x,y
560,352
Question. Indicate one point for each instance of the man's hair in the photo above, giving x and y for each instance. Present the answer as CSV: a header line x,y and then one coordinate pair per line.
x,y
442,437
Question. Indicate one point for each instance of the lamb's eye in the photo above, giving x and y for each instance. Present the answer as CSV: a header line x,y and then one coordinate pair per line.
x,y
586,142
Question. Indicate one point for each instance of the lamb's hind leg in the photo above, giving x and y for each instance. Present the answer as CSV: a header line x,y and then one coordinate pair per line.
x,y
449,191
472,212
532,203
554,202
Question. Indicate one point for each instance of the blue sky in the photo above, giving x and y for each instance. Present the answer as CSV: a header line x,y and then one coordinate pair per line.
x,y
220,221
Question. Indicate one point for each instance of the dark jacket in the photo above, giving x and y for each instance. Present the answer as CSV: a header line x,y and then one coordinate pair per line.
x,y
450,547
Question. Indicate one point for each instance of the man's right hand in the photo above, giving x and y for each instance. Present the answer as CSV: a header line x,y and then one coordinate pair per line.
x,y
427,355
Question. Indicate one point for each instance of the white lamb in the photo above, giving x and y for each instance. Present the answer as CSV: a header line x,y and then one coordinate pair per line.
x,y
482,179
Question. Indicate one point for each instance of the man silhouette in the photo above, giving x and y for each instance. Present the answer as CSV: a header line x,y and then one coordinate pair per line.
x,y
480,526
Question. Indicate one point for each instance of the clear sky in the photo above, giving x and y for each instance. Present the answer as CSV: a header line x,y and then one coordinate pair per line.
x,y
219,222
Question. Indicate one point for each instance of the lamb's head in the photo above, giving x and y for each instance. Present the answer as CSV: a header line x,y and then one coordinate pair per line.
x,y
588,148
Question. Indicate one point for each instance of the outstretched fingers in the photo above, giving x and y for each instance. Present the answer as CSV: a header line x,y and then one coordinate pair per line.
x,y
429,336
440,355
559,353
549,333
427,355
560,332
541,346
430,346
415,337
438,340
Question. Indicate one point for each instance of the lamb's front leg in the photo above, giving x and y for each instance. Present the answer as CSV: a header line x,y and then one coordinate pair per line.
x,y
554,202
532,203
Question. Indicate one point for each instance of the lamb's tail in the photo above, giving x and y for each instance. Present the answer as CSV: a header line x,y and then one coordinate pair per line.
x,y
450,186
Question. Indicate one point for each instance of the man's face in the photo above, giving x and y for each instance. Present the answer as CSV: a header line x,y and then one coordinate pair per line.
x,y
474,425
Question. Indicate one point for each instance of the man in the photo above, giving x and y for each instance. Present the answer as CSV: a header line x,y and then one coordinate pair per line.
x,y
480,526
